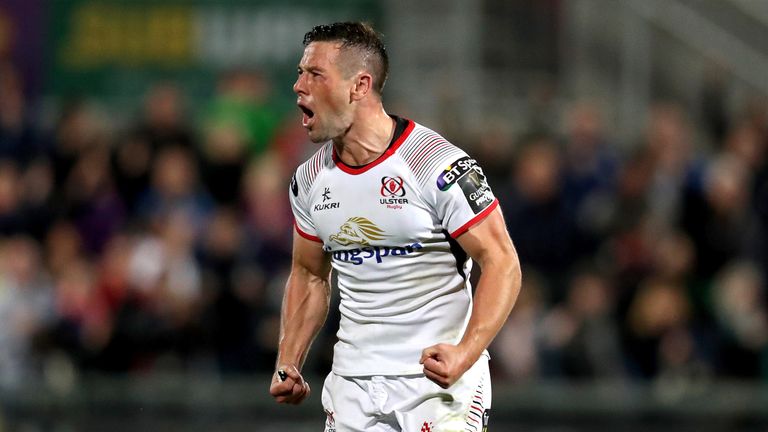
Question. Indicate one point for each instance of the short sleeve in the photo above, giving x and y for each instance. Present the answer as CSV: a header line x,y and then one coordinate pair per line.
x,y
302,220
462,194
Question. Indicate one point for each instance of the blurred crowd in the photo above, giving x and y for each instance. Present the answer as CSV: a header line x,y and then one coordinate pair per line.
x,y
642,260
160,241
161,244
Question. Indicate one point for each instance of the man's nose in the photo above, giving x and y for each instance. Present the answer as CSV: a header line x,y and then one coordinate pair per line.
x,y
299,85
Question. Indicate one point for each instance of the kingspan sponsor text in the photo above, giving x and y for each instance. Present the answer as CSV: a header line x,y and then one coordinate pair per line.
x,y
357,256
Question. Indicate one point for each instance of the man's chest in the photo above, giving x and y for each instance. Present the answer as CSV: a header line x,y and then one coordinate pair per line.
x,y
379,207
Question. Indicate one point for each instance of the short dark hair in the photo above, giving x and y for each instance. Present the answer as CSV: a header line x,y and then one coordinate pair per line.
x,y
360,36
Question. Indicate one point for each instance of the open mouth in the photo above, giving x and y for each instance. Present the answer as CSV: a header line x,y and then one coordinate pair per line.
x,y
308,114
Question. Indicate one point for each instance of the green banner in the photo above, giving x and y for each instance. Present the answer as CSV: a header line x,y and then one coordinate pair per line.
x,y
115,49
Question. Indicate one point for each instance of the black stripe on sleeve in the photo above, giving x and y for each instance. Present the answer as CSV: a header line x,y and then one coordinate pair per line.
x,y
458,253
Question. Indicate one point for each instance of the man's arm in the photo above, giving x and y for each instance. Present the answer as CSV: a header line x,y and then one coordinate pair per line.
x,y
487,243
305,307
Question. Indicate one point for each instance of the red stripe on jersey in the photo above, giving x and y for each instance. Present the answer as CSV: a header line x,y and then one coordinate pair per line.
x,y
482,215
389,152
317,163
425,144
430,148
429,151
306,235
471,415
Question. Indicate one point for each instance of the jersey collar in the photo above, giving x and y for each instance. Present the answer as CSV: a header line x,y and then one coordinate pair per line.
x,y
397,140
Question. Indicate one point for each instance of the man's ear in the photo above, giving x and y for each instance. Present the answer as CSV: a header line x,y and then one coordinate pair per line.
x,y
362,85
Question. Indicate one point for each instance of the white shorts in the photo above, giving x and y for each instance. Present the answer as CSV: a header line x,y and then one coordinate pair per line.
x,y
408,403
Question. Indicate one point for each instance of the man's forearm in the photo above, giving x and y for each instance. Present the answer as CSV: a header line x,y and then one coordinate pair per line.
x,y
495,295
305,308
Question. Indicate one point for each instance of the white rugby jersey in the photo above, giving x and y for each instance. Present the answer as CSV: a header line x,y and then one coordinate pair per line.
x,y
390,227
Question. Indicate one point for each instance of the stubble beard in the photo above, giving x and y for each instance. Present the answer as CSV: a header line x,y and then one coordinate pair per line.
x,y
319,138
328,132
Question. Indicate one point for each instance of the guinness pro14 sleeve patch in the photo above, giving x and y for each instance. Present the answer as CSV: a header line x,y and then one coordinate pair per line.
x,y
469,176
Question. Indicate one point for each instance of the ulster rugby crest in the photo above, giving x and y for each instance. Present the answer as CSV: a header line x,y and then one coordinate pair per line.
x,y
393,191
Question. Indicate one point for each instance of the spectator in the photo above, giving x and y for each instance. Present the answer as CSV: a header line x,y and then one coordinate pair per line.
x,y
580,336
242,104
669,149
19,141
63,246
236,287
175,186
590,171
517,347
26,310
738,298
657,310
719,219
268,216
162,124
240,124
493,151
131,165
545,233
158,320
11,217
37,192
224,159
77,130
111,290
91,201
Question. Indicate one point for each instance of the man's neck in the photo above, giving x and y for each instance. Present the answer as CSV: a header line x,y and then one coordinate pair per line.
x,y
367,139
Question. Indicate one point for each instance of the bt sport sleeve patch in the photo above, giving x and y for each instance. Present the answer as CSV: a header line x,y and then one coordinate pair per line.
x,y
469,176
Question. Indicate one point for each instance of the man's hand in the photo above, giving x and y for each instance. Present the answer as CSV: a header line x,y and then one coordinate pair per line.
x,y
445,364
291,391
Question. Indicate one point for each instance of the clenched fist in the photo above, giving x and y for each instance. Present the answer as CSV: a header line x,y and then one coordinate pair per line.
x,y
445,364
293,390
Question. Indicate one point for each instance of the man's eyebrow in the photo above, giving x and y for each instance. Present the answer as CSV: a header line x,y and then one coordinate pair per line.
x,y
309,68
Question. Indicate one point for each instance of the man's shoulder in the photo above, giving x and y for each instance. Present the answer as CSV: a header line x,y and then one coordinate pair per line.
x,y
307,172
425,150
423,138
421,131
